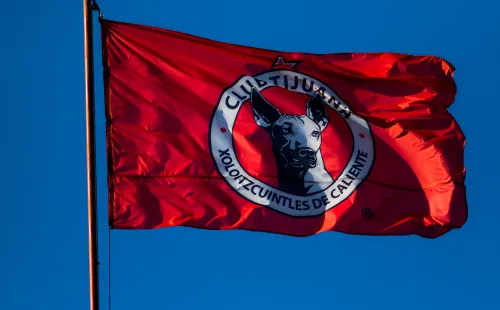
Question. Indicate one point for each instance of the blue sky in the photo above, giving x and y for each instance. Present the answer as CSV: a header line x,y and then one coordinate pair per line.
x,y
44,206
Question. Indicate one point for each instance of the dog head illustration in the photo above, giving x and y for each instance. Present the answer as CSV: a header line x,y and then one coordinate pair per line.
x,y
295,138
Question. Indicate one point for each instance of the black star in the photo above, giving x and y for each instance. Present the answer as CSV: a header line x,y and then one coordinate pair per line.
x,y
280,61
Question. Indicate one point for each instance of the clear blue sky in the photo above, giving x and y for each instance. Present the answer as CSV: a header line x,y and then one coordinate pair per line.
x,y
44,207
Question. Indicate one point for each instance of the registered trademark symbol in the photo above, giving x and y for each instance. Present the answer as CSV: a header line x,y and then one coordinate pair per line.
x,y
367,213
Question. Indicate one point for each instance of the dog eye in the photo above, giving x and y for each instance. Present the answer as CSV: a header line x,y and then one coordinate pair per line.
x,y
287,129
315,134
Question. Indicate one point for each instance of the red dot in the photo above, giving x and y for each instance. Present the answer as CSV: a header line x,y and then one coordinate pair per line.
x,y
361,135
223,130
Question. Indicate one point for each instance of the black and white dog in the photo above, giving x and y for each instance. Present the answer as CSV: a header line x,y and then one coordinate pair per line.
x,y
296,141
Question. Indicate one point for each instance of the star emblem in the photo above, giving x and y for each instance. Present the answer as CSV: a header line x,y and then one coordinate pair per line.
x,y
280,61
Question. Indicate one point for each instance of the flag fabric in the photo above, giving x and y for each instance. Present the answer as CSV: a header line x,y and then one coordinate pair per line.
x,y
221,136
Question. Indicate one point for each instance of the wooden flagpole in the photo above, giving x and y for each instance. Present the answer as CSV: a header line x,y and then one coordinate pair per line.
x,y
88,7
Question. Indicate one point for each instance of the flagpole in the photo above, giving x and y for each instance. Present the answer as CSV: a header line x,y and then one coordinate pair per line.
x,y
88,6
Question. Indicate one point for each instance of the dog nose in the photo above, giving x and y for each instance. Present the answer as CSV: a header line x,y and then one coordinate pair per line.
x,y
307,152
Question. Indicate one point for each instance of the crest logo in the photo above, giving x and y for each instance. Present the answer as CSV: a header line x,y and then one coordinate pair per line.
x,y
304,185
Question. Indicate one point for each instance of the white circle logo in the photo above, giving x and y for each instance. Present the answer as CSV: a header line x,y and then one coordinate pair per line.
x,y
305,187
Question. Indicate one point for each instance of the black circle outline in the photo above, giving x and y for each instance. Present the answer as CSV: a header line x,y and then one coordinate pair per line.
x,y
367,213
232,137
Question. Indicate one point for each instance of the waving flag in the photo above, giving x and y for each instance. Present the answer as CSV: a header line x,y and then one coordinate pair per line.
x,y
219,136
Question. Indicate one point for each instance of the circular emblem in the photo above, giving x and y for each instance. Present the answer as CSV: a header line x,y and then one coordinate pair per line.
x,y
305,186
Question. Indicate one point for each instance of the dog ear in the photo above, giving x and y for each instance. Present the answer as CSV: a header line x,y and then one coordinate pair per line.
x,y
265,114
316,110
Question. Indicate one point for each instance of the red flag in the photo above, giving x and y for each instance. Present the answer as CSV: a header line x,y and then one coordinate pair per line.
x,y
219,136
